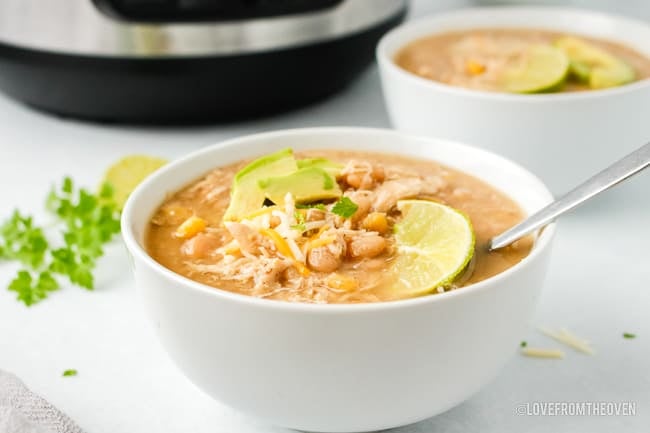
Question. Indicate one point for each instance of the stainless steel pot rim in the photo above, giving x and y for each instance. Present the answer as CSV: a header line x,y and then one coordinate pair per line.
x,y
76,27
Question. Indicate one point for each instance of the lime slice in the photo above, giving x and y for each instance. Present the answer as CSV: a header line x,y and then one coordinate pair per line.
x,y
434,245
128,172
541,68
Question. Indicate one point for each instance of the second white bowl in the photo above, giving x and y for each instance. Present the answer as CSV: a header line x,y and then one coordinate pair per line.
x,y
563,137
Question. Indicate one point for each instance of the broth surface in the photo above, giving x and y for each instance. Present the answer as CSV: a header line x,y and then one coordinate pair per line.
x,y
449,57
489,210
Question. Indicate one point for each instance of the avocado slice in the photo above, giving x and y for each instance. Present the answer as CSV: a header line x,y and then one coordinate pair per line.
x,y
593,65
246,196
580,71
333,168
306,185
612,76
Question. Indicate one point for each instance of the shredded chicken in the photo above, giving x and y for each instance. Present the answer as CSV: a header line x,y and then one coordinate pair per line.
x,y
293,252
390,192
307,252
247,238
213,186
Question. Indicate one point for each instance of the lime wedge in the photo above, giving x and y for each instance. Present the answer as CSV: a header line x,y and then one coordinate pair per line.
x,y
128,172
541,68
434,245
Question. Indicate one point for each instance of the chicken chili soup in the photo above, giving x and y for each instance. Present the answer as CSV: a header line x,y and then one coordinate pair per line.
x,y
522,61
335,227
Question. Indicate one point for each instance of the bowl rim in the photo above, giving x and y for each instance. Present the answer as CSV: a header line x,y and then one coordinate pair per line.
x,y
138,252
386,62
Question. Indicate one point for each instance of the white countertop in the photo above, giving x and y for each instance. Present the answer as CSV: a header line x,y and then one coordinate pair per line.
x,y
598,287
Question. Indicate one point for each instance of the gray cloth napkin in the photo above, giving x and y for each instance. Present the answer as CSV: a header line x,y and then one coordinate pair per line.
x,y
22,411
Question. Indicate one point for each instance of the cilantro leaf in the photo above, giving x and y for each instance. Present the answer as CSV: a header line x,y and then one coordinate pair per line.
x,y
88,220
30,290
22,241
70,372
300,222
77,267
91,222
345,207
107,191
629,335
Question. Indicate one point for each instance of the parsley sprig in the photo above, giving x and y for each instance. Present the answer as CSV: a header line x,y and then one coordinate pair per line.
x,y
87,222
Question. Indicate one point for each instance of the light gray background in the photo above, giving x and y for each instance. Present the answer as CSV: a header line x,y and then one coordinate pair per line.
x,y
597,287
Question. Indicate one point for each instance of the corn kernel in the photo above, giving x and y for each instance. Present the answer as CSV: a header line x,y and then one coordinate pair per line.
x,y
376,222
190,227
232,248
475,68
342,282
302,269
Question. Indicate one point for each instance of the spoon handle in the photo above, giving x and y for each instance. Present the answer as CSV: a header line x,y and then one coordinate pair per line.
x,y
615,173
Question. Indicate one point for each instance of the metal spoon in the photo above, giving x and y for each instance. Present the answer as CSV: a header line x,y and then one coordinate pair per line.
x,y
615,173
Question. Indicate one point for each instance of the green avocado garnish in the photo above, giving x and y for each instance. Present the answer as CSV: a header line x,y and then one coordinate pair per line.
x,y
593,65
246,195
271,177
306,185
333,168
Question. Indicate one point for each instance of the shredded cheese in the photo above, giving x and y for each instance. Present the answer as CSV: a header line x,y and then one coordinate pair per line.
x,y
321,242
262,211
284,228
279,242
537,352
565,337
290,206
284,249
297,254
320,231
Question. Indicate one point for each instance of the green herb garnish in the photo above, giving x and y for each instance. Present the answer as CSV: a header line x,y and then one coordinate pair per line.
x,y
523,344
32,289
345,207
319,206
88,221
300,220
70,372
21,240
628,335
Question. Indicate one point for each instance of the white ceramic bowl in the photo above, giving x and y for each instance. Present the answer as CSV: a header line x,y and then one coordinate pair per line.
x,y
563,138
339,368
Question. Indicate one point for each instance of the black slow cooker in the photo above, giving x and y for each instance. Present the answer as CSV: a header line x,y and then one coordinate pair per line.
x,y
167,61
